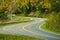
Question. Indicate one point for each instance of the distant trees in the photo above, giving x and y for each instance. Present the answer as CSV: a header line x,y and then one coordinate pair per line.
x,y
3,15
3,10
27,6
56,5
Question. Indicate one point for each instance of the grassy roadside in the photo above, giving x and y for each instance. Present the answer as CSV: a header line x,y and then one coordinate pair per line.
x,y
46,29
14,37
15,20
52,24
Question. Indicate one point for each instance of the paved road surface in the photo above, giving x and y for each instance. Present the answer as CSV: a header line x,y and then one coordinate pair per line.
x,y
30,29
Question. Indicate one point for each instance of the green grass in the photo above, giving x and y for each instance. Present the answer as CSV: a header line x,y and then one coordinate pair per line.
x,y
48,30
53,23
10,24
14,37
16,20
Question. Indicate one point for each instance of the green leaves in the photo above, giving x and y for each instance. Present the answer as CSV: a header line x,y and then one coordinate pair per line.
x,y
53,23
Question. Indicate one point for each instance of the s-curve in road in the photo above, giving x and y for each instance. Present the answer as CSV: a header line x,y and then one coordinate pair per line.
x,y
30,29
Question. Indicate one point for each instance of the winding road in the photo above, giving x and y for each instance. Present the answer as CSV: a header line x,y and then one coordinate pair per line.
x,y
30,29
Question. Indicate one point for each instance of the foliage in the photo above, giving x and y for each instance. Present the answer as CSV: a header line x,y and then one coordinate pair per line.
x,y
53,23
55,5
25,7
3,15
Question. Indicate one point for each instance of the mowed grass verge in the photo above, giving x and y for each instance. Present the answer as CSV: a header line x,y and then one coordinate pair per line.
x,y
14,37
15,20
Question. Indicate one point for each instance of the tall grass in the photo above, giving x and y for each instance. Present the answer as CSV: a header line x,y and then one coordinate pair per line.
x,y
53,23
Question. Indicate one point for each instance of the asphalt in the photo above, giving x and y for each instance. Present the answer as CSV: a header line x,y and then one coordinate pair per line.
x,y
32,29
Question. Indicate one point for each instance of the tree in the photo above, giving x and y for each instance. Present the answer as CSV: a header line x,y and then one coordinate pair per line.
x,y
55,5
3,15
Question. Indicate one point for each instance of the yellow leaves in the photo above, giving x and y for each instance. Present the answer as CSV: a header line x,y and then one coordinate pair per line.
x,y
49,5
1,8
45,4
4,3
24,3
32,0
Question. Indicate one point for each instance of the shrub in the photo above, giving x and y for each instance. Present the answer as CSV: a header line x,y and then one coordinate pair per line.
x,y
53,23
3,15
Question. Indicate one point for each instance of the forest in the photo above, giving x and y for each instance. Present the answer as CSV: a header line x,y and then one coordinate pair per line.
x,y
34,8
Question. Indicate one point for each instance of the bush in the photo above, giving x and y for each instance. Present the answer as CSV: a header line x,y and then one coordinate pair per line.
x,y
3,15
53,23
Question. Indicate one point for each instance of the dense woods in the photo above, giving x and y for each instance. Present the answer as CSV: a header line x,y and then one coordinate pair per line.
x,y
28,7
